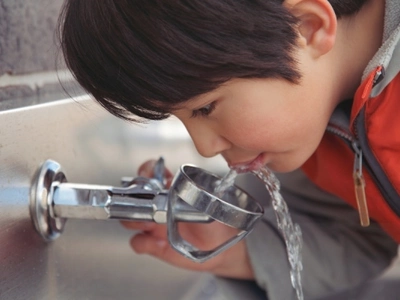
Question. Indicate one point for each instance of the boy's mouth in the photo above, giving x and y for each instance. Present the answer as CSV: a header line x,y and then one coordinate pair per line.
x,y
246,167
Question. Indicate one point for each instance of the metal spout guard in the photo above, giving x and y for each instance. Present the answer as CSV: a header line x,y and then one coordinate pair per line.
x,y
234,208
190,199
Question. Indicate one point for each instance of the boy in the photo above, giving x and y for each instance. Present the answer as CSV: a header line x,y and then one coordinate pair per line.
x,y
267,82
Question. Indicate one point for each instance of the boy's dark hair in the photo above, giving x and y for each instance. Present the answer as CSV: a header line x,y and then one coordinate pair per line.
x,y
145,57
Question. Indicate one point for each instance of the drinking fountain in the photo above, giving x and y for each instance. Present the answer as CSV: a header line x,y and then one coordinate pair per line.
x,y
191,198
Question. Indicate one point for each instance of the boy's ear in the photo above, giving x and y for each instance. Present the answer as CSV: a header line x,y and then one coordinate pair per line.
x,y
317,24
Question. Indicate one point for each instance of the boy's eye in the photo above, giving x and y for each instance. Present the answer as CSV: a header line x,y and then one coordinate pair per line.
x,y
204,111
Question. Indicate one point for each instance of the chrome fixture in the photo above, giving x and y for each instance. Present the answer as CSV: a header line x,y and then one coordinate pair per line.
x,y
191,198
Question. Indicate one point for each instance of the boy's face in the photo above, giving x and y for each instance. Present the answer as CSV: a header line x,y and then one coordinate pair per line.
x,y
272,121
267,121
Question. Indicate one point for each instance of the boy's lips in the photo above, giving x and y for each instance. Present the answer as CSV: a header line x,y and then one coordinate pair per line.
x,y
248,166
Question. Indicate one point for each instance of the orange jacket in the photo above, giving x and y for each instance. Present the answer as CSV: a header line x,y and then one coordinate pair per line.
x,y
367,146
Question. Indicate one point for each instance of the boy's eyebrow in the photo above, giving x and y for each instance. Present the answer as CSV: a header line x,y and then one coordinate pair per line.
x,y
194,103
209,96
166,107
201,100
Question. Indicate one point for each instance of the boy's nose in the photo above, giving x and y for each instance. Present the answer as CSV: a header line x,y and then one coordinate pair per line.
x,y
207,141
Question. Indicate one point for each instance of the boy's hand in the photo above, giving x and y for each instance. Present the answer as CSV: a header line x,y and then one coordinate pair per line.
x,y
152,239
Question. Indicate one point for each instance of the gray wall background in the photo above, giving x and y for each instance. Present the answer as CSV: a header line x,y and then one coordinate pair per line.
x,y
31,66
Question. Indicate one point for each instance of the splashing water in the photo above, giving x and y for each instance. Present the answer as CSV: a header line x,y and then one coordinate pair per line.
x,y
291,232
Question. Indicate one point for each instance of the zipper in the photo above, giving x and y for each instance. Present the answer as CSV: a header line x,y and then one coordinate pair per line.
x,y
358,178
359,186
383,183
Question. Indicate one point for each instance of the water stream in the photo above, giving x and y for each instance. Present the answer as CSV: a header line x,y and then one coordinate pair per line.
x,y
227,181
291,232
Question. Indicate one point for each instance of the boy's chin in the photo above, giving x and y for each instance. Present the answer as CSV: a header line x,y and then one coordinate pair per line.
x,y
283,168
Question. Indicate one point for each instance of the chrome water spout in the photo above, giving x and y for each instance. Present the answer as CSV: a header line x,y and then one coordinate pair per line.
x,y
190,199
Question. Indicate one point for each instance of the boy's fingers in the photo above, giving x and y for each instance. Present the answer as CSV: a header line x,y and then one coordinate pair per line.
x,y
143,243
145,226
159,248
147,168
147,244
168,178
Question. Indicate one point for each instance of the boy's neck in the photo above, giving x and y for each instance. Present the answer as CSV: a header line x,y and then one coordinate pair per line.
x,y
358,39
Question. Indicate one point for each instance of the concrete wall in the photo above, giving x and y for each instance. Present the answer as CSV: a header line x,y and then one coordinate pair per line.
x,y
31,67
